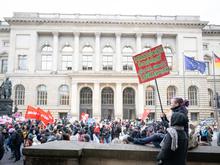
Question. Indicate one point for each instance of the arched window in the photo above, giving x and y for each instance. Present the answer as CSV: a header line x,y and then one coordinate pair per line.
x,y
171,93
193,95
67,53
19,95
107,96
127,61
41,95
107,58
87,56
210,97
86,96
128,96
46,57
150,95
64,95
169,55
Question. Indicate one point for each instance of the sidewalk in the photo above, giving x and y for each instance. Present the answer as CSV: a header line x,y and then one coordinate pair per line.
x,y
5,160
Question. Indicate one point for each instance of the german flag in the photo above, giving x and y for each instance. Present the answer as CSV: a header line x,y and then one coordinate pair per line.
x,y
217,61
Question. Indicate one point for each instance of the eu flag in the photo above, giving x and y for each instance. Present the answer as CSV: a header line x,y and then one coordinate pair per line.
x,y
192,64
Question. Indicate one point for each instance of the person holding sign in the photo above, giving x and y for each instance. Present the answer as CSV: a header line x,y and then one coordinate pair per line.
x,y
175,144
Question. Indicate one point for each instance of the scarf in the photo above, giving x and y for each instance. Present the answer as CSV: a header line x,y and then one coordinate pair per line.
x,y
173,133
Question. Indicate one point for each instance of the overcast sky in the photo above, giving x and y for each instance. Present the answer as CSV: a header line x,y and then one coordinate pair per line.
x,y
208,10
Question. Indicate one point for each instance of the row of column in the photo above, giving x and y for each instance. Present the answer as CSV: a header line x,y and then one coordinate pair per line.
x,y
97,50
118,100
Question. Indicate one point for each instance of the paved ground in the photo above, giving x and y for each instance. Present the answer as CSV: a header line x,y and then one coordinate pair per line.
x,y
5,160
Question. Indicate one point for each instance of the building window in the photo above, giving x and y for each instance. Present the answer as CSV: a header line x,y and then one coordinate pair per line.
x,y
67,57
4,65
193,95
46,57
169,56
87,57
107,96
86,96
150,96
127,61
207,68
171,93
194,116
41,95
19,95
6,43
128,96
64,95
107,58
210,97
22,62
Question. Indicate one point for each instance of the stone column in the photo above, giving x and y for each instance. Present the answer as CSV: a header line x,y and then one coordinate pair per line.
x,y
12,52
74,100
96,101
159,38
118,102
76,55
118,53
138,43
140,100
32,60
55,51
179,54
96,61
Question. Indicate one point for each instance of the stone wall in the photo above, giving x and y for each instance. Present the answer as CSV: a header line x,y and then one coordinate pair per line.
x,y
69,153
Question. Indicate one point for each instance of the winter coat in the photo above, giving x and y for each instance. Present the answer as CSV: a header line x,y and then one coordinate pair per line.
x,y
1,145
182,109
178,156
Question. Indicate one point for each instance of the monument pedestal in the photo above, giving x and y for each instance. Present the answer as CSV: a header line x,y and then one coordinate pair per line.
x,y
6,107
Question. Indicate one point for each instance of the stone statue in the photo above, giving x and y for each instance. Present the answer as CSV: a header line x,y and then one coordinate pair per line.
x,y
6,89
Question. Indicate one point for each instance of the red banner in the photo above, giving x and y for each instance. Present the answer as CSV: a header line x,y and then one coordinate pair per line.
x,y
50,117
43,116
151,64
145,114
31,113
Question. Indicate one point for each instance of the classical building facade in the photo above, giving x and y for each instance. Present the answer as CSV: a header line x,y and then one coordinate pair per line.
x,y
73,63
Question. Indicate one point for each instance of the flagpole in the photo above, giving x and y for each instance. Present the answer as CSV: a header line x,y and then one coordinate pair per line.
x,y
184,78
159,96
215,94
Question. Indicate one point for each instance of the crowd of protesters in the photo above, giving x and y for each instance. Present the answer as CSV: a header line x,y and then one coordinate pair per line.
x,y
161,134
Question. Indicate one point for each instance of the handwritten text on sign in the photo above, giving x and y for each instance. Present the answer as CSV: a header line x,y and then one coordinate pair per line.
x,y
151,64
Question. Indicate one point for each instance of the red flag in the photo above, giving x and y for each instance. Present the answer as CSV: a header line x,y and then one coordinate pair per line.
x,y
145,114
50,117
43,116
31,113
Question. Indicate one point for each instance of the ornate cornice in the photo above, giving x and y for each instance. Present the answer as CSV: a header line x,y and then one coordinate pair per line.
x,y
4,27
40,18
211,30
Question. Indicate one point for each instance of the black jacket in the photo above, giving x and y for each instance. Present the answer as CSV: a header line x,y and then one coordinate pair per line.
x,y
177,157
182,109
